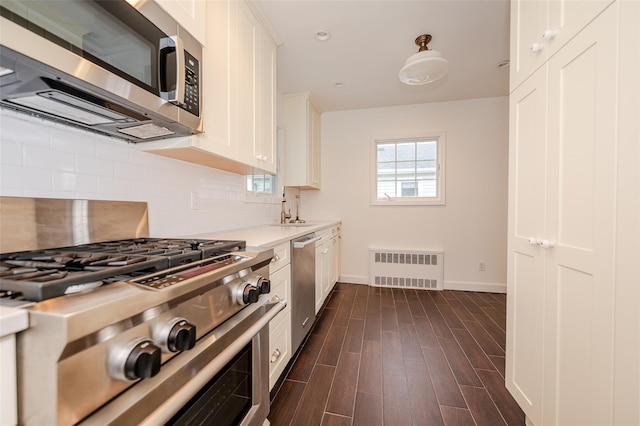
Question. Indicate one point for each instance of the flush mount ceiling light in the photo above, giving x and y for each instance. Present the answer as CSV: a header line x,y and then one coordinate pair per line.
x,y
425,66
323,35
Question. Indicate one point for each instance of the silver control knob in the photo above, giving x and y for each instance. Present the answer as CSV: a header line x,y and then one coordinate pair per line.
x,y
138,359
175,335
250,294
261,283
243,292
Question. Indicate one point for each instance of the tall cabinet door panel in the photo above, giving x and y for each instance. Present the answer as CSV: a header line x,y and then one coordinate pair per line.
x,y
581,224
527,193
243,82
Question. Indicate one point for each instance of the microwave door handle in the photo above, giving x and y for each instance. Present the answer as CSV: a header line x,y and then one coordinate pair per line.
x,y
177,96
181,74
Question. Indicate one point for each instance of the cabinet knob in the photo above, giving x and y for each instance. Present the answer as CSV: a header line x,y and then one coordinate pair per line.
x,y
546,244
548,34
275,355
536,47
533,241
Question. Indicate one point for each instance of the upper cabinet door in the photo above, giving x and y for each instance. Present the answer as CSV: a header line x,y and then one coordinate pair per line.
x,y
527,52
266,139
190,14
540,28
302,119
253,91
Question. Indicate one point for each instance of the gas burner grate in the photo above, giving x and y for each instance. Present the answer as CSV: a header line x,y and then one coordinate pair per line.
x,y
43,274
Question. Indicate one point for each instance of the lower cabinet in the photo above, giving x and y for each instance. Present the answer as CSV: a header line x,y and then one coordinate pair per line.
x,y
327,263
280,326
279,347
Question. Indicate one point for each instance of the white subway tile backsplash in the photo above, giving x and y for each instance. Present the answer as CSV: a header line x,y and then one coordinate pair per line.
x,y
23,128
11,153
44,159
95,166
69,139
74,182
129,171
26,177
113,149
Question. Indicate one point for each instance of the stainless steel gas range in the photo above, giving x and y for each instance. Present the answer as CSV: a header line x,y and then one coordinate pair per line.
x,y
138,330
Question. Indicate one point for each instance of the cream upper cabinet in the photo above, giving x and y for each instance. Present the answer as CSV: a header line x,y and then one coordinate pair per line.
x,y
563,192
266,151
302,141
539,28
253,90
238,96
191,14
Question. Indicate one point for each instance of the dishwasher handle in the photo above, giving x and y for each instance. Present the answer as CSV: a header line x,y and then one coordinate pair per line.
x,y
304,243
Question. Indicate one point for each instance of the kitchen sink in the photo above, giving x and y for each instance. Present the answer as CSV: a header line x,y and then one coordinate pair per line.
x,y
292,225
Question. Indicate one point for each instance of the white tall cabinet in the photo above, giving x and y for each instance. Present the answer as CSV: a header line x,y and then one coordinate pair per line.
x,y
571,187
302,153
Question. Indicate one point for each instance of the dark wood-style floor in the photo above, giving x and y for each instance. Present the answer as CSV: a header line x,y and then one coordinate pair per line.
x,y
380,356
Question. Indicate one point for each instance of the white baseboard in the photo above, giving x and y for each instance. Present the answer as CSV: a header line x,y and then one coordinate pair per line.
x,y
448,285
476,286
354,279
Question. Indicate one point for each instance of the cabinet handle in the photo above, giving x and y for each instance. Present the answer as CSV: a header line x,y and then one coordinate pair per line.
x,y
275,258
536,47
533,241
548,34
546,244
275,355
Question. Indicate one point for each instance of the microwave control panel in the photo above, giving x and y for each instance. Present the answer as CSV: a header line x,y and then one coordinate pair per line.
x,y
192,85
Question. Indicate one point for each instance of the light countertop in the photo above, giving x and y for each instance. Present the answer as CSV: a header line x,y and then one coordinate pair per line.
x,y
12,320
268,235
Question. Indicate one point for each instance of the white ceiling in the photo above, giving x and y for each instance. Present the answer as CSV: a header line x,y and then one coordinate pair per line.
x,y
371,39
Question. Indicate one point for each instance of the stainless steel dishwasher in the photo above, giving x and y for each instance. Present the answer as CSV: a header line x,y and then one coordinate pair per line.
x,y
303,287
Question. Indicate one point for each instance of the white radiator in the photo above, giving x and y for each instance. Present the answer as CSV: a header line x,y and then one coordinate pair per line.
x,y
406,269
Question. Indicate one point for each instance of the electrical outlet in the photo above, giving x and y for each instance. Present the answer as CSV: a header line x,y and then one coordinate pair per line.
x,y
195,200
482,266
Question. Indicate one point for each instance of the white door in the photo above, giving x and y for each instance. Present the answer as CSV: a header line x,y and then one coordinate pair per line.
x,y
581,223
527,213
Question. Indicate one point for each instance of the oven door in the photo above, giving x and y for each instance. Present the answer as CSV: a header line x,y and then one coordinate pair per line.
x,y
227,371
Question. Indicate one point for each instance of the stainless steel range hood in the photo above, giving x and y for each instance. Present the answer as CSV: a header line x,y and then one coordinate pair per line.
x,y
30,86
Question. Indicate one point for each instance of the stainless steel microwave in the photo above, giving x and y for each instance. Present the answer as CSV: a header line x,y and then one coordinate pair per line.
x,y
122,68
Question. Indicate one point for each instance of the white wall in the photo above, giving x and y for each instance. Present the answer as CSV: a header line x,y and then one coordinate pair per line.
x,y
472,227
44,159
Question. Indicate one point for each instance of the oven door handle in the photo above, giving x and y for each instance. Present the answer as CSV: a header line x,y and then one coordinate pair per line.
x,y
164,412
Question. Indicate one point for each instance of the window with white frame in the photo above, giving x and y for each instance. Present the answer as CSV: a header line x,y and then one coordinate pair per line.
x,y
262,183
408,171
266,188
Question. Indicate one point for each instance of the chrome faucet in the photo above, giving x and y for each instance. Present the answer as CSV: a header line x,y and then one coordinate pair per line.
x,y
284,215
297,219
